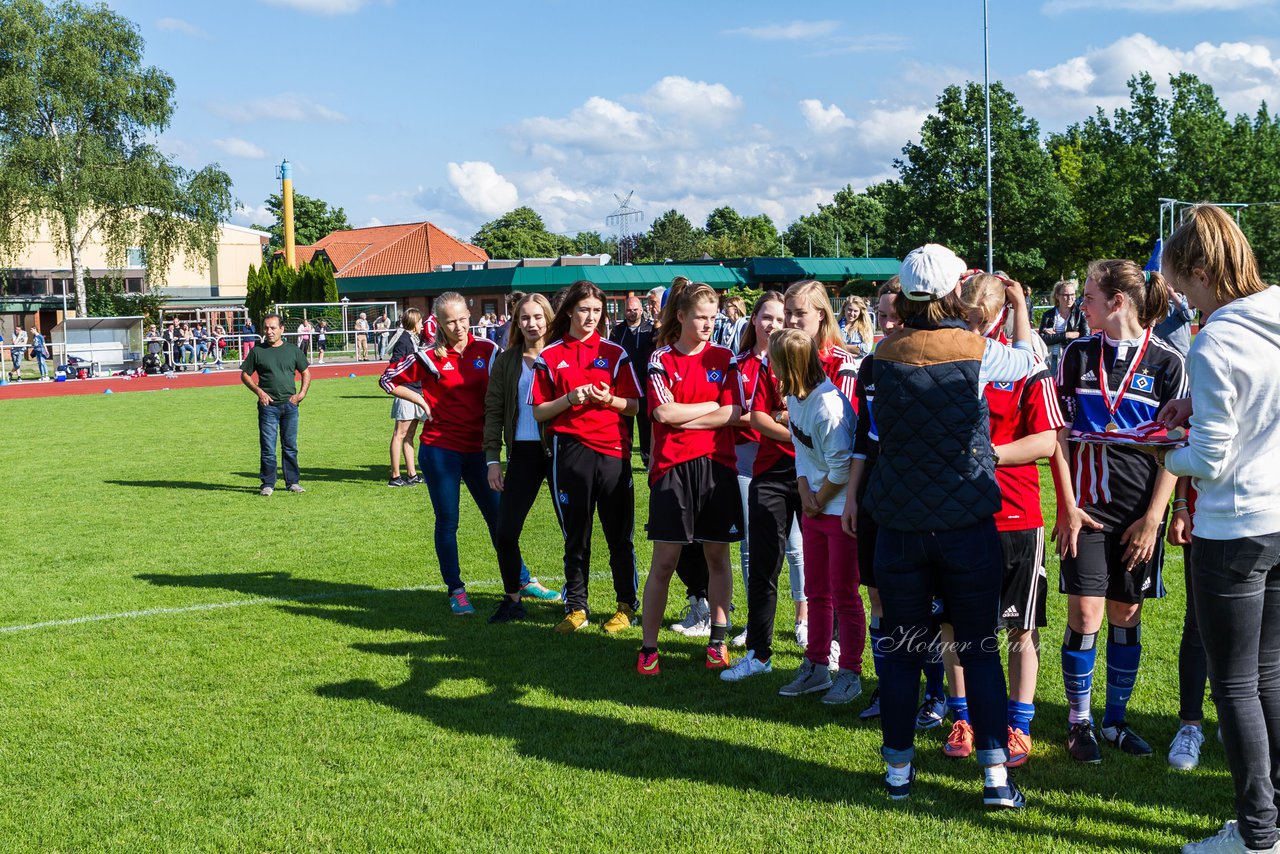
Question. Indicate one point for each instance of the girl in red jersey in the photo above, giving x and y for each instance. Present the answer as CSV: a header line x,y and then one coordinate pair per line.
x,y
695,399
454,375
1024,419
583,387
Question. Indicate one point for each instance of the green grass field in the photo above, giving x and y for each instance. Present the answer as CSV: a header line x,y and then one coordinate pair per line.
x,y
283,675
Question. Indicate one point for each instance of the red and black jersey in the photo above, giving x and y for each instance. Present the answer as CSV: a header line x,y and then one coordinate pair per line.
x,y
749,374
568,363
454,386
708,375
839,366
1016,410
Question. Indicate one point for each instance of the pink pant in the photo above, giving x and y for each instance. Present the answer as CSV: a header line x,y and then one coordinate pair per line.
x,y
831,586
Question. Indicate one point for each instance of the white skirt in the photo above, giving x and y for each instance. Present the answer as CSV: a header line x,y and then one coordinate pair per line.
x,y
403,410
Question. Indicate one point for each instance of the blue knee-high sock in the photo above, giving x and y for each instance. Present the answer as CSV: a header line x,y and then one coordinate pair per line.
x,y
1124,650
959,708
875,634
1079,651
1020,715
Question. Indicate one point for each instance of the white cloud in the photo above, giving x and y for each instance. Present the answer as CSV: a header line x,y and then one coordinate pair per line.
x,y
598,125
1055,7
235,147
253,215
793,31
322,7
1242,75
692,100
482,188
822,119
177,25
372,222
286,107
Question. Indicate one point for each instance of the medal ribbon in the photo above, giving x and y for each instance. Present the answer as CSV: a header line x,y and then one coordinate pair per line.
x,y
1128,375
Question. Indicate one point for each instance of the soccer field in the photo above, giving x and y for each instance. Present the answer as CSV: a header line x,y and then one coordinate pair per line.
x,y
189,666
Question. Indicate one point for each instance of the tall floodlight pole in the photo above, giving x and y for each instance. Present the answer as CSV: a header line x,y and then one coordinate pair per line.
x,y
986,86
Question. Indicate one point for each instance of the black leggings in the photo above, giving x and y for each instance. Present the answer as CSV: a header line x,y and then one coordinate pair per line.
x,y
528,467
773,503
692,570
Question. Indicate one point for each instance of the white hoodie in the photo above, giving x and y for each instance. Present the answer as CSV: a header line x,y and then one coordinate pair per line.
x,y
1234,450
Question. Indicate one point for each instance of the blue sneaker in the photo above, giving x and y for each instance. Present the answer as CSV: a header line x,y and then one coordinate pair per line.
x,y
534,590
931,713
460,605
1008,796
899,788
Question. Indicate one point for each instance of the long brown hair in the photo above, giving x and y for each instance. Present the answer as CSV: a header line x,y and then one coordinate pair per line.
x,y
574,294
515,335
441,343
748,344
683,297
1149,292
815,296
1210,240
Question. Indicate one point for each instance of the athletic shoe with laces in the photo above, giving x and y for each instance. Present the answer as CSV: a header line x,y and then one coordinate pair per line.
x,y
872,711
1082,743
718,656
416,480
739,640
534,590
931,712
1184,751
809,679
573,620
508,610
397,481
1019,748
647,663
623,618
959,744
266,491
898,785
1226,841
1126,740
697,619
846,686
295,487
460,605
1008,796
802,634
746,667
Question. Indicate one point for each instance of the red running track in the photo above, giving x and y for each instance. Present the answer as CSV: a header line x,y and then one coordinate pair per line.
x,y
27,390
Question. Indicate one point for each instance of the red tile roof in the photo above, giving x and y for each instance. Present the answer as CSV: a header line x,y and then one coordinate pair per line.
x,y
388,250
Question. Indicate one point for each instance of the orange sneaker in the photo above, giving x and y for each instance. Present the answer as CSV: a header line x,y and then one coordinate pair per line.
x,y
1019,748
960,742
647,664
717,656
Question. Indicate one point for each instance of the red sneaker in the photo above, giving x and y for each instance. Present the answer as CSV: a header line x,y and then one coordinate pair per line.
x,y
718,656
1019,748
960,742
647,664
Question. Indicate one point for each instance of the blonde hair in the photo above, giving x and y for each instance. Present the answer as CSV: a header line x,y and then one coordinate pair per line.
x,y
737,304
1059,287
1210,239
448,298
793,356
515,335
815,295
984,292
863,324
684,296
411,320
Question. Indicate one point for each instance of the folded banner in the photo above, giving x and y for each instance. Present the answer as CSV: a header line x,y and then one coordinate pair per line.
x,y
1151,433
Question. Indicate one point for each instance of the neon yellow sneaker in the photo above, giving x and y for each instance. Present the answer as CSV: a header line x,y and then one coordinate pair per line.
x,y
572,621
623,618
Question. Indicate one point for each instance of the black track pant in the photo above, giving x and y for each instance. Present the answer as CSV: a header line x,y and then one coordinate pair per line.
x,y
773,503
692,570
584,483
528,467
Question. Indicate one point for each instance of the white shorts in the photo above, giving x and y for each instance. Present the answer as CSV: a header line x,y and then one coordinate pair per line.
x,y
403,410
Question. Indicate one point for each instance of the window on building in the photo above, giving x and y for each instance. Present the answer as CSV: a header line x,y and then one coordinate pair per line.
x,y
24,287
133,285
134,257
11,287
489,306
39,287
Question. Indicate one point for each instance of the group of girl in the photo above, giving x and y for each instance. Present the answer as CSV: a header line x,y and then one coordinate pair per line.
x,y
913,474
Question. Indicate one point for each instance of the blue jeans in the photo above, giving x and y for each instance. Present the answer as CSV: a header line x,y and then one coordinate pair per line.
x,y
42,365
964,567
278,420
445,471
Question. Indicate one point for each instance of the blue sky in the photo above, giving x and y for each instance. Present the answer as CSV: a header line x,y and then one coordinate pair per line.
x,y
404,110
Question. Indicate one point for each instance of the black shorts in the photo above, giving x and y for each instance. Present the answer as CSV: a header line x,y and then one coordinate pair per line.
x,y
696,501
1098,569
866,549
1022,598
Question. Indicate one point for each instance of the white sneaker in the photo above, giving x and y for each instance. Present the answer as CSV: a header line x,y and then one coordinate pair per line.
x,y
1226,841
697,620
746,667
802,634
740,640
1184,752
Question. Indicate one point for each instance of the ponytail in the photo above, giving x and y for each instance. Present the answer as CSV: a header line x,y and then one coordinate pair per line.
x,y
684,296
1147,291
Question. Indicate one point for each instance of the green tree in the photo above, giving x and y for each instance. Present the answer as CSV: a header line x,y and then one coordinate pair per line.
x,y
590,243
313,219
671,236
79,113
852,225
520,233
257,297
731,235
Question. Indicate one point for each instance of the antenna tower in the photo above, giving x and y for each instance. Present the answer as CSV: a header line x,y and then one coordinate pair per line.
x,y
623,221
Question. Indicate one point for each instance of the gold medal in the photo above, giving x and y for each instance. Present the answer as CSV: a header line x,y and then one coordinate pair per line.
x,y
1113,405
1112,426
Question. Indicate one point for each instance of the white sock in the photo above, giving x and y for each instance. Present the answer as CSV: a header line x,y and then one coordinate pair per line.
x,y
898,776
995,775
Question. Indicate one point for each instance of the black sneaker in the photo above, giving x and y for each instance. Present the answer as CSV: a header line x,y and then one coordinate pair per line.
x,y
415,480
1008,796
1126,740
508,610
1082,743
397,481
900,791
872,711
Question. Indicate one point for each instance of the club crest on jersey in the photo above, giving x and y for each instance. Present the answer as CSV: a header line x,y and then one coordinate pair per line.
x,y
601,362
1143,383
563,498
478,364
1003,386
714,375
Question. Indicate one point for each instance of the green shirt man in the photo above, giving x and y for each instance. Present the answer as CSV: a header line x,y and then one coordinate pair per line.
x,y
275,362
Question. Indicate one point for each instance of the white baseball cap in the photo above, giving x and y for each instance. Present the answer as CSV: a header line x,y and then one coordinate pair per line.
x,y
930,272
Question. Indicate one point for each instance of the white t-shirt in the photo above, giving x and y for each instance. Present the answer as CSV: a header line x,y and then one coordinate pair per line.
x,y
822,427
526,425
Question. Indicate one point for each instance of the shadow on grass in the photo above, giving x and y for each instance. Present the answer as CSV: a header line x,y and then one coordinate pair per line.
x,y
520,663
185,484
356,474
